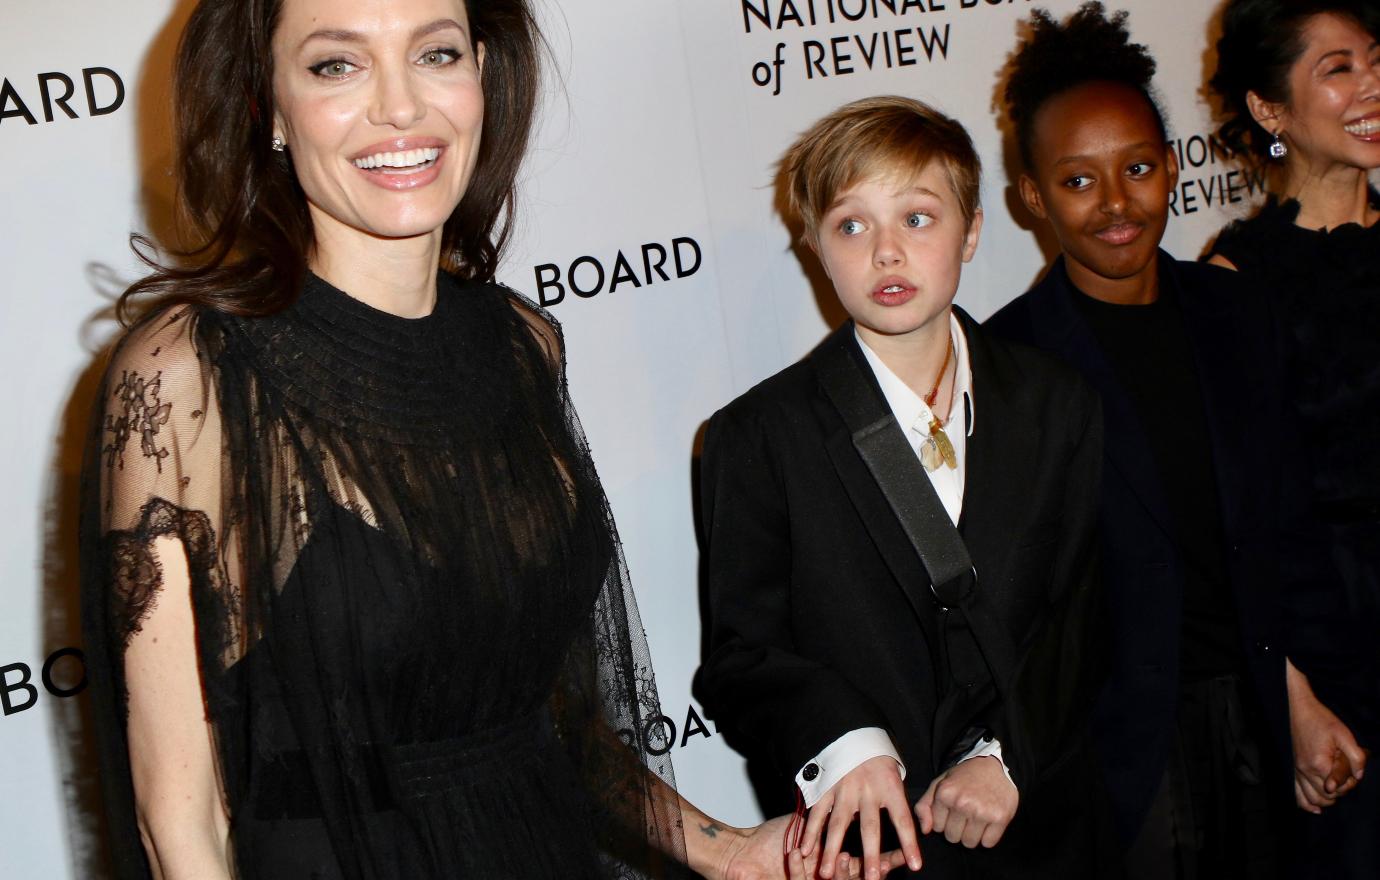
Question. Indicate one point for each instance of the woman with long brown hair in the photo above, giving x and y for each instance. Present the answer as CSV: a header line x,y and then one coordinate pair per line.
x,y
355,603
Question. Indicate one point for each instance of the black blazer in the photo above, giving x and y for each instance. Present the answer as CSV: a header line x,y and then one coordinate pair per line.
x,y
1233,339
821,616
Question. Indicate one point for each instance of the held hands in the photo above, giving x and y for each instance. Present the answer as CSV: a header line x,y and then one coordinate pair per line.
x,y
1328,762
970,803
757,854
872,786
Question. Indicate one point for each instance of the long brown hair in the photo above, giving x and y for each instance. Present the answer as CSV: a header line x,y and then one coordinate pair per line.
x,y
246,217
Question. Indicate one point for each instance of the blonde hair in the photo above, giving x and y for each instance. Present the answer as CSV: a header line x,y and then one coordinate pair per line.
x,y
887,135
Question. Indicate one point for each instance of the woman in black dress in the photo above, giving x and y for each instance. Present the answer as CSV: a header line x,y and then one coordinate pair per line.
x,y
1300,88
355,603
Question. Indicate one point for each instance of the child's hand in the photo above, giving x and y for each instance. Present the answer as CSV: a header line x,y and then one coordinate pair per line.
x,y
970,803
872,786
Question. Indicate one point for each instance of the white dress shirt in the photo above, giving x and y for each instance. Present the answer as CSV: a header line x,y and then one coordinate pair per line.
x,y
842,755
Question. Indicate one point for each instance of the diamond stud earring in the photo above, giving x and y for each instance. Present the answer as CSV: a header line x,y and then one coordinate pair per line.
x,y
279,146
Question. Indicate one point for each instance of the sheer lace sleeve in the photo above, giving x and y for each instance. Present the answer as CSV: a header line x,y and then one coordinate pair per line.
x,y
608,705
159,465
153,472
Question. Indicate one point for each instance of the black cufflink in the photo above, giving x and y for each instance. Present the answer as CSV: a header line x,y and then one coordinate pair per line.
x,y
811,772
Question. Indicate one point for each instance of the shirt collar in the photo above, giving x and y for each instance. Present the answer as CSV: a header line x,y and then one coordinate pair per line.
x,y
906,405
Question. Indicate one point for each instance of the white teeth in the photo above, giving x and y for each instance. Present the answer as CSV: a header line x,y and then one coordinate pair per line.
x,y
895,288
1364,127
403,159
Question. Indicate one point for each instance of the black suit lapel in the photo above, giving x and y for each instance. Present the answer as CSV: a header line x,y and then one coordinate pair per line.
x,y
1002,448
1056,322
872,508
1007,454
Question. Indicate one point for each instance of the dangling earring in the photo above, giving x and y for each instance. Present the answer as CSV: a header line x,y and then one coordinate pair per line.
x,y
279,146
1278,149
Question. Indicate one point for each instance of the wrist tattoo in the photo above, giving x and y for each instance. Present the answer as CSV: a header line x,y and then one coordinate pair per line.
x,y
712,829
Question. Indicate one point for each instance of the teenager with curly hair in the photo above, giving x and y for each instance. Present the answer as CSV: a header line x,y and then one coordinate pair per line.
x,y
1192,726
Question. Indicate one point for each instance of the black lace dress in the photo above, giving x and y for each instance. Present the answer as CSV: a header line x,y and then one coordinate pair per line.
x,y
418,648
1326,289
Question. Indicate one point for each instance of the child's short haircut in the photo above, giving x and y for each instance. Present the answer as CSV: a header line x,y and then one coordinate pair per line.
x,y
886,135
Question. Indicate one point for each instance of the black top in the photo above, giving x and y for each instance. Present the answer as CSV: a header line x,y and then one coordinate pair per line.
x,y
418,646
1231,338
1149,351
1326,285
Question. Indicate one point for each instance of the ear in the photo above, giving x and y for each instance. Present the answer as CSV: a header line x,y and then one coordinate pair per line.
x,y
479,57
1267,114
1030,194
970,240
1171,164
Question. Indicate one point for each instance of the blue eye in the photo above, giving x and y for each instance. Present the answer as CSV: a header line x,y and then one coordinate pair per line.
x,y
333,68
918,220
851,227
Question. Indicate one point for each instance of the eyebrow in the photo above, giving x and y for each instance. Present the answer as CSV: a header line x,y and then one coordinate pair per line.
x,y
919,190
1068,160
1327,55
347,36
1345,52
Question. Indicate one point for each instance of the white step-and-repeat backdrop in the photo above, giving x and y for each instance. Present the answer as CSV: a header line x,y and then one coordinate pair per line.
x,y
648,226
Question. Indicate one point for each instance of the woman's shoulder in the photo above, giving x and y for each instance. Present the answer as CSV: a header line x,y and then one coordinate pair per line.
x,y
1251,241
500,307
164,340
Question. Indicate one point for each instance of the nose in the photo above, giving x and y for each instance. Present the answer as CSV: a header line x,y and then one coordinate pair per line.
x,y
1113,192
1370,83
885,249
395,99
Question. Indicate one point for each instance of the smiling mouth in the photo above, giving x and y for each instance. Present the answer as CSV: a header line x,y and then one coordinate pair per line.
x,y
403,162
1364,127
1120,233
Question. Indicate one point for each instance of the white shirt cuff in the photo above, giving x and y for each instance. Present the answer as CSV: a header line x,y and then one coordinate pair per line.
x,y
841,756
988,748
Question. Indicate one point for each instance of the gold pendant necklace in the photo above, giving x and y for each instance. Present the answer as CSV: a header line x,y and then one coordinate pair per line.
x,y
937,447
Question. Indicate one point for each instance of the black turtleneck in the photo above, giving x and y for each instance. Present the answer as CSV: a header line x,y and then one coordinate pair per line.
x,y
1148,348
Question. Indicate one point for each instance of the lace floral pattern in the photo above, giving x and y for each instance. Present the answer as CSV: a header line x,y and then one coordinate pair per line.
x,y
137,410
395,540
136,578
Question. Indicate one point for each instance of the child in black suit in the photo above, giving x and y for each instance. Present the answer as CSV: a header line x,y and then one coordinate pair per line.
x,y
833,645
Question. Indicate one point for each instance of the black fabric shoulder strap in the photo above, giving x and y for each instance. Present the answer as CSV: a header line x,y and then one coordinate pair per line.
x,y
883,448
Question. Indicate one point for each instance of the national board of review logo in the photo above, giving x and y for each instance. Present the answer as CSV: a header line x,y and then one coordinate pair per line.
x,y
54,92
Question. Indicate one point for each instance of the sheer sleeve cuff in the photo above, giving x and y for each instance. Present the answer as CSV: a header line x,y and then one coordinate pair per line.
x,y
840,757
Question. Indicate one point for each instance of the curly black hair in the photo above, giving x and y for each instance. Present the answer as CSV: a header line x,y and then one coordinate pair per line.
x,y
1089,47
1261,40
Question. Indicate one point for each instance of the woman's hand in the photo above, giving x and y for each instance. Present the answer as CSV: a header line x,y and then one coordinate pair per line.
x,y
1328,762
758,854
